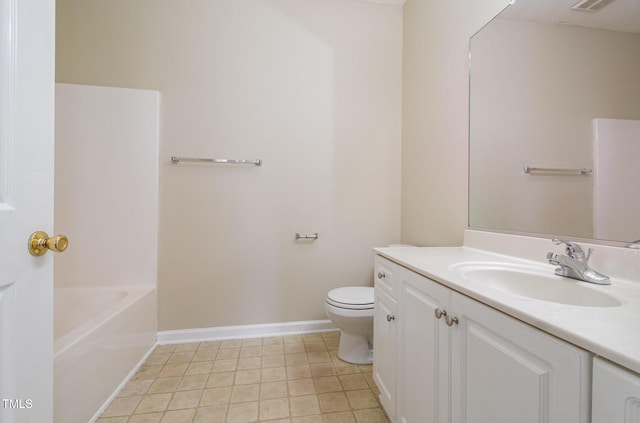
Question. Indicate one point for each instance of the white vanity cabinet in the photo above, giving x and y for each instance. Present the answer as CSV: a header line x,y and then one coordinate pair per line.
x,y
385,335
474,363
616,394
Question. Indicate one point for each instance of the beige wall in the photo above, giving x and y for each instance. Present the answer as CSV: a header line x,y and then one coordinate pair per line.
x,y
311,87
435,116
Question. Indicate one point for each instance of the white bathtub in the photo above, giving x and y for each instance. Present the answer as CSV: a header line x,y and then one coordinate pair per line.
x,y
100,335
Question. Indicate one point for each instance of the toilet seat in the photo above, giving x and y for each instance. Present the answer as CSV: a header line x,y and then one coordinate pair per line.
x,y
351,297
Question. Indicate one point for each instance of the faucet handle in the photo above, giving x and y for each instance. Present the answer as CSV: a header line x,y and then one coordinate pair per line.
x,y
561,241
574,250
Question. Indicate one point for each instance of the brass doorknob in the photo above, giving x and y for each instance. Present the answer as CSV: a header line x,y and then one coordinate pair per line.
x,y
40,243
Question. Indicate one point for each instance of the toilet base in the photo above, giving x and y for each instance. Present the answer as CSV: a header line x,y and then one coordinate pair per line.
x,y
355,349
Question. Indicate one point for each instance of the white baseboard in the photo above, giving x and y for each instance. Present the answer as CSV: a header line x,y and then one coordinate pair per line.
x,y
243,331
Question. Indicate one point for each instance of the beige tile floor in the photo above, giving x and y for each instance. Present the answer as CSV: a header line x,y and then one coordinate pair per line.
x,y
289,379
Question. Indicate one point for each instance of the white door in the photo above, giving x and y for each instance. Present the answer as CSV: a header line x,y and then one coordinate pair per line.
x,y
26,205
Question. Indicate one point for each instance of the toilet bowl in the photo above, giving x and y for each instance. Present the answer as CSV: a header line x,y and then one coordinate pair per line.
x,y
351,310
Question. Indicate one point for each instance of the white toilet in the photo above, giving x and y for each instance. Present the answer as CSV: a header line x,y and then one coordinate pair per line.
x,y
351,310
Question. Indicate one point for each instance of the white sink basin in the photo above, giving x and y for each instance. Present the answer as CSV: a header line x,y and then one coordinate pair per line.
x,y
534,282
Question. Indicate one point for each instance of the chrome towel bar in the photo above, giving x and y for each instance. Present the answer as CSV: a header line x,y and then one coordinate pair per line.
x,y
307,236
176,160
581,171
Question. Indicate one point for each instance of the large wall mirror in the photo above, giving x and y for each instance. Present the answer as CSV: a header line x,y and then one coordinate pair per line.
x,y
555,120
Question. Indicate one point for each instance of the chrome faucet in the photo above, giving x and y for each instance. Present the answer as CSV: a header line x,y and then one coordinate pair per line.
x,y
575,264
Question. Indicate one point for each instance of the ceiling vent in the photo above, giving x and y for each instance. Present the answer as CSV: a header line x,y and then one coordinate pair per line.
x,y
591,5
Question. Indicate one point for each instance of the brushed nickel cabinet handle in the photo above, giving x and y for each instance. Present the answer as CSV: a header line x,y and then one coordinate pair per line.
x,y
451,320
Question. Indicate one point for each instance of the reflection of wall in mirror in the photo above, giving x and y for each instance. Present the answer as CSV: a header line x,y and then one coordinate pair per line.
x,y
535,89
616,202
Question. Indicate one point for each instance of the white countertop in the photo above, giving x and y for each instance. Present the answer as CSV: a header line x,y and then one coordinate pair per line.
x,y
610,332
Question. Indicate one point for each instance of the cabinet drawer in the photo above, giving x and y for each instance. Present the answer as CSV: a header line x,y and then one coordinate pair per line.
x,y
383,276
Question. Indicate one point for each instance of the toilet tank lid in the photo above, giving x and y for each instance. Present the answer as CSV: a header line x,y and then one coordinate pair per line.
x,y
352,295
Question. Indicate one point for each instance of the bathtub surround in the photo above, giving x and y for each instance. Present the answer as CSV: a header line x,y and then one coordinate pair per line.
x,y
311,87
106,185
616,148
105,305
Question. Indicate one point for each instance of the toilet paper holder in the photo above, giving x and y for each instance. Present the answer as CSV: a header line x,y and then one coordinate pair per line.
x,y
307,236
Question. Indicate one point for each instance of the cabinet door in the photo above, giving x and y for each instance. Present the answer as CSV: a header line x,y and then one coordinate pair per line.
x,y
505,371
424,350
385,341
616,394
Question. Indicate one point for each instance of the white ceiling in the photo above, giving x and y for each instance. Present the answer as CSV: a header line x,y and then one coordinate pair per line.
x,y
620,15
